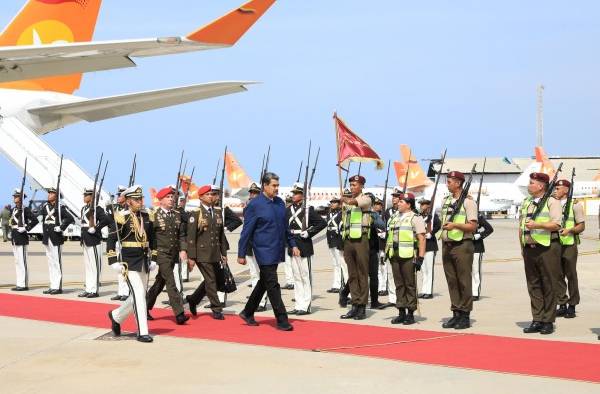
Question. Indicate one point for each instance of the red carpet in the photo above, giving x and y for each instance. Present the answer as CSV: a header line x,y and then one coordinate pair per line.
x,y
567,360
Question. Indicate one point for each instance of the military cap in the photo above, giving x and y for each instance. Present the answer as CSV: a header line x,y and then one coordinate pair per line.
x,y
254,188
378,201
215,188
563,182
456,175
204,189
17,192
407,196
51,190
335,199
134,191
88,191
424,201
540,177
347,193
396,192
121,189
358,178
297,188
165,191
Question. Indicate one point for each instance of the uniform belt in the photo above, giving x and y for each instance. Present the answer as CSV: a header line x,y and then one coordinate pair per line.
x,y
456,243
295,232
134,244
534,246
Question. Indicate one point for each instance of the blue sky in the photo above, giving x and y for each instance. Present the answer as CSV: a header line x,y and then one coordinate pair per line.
x,y
434,74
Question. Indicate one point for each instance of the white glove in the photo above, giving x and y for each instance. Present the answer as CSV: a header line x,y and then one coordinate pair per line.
x,y
21,229
381,235
428,236
153,266
477,237
117,267
92,230
304,234
57,229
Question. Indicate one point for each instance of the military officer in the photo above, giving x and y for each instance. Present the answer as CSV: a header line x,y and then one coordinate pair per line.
x,y
541,253
207,248
93,220
55,218
457,251
335,244
572,225
433,225
484,229
21,221
405,229
133,229
170,236
356,232
119,206
303,226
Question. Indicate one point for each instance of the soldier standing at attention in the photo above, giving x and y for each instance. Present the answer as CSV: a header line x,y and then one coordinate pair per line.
x,y
541,253
334,242
170,236
431,247
21,221
484,229
457,251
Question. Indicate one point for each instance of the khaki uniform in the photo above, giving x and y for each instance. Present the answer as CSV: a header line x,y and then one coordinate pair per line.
x,y
542,268
457,259
568,264
356,256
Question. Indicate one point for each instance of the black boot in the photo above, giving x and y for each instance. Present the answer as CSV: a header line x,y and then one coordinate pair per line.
x,y
343,301
361,313
452,321
351,313
464,321
534,327
181,318
410,318
401,316
570,313
547,328
561,311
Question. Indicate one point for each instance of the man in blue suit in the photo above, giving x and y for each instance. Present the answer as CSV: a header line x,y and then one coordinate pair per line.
x,y
265,228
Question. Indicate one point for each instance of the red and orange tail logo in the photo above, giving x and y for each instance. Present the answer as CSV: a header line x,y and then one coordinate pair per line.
x,y
417,179
236,176
188,187
51,22
545,165
155,201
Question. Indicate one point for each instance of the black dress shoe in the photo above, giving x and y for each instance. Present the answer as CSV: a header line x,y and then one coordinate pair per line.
x,y
333,290
351,313
475,298
261,308
19,288
55,291
452,321
124,298
301,313
377,305
292,312
288,286
285,326
547,328
248,319
83,295
181,319
401,316
570,313
218,316
145,338
115,327
193,306
361,313
534,327
463,322
47,291
427,296
562,309
149,316
116,298
410,318
93,295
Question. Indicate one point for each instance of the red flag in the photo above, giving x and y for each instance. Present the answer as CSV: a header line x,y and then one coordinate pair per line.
x,y
351,147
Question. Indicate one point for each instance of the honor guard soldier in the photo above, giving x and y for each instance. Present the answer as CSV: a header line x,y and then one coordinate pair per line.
x,y
405,229
572,225
21,222
55,218
303,226
356,232
253,192
207,248
433,224
170,232
541,253
484,229
287,264
133,229
119,206
377,227
457,251
382,273
336,246
93,220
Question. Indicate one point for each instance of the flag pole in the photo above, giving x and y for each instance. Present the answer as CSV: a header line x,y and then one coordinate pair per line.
x,y
337,145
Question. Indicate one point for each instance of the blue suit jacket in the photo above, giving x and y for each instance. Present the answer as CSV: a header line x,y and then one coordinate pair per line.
x,y
266,229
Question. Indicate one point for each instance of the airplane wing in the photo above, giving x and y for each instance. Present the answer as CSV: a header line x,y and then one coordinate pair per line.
x,y
93,110
35,61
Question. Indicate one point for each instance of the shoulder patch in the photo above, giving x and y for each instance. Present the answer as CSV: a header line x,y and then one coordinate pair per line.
x,y
120,217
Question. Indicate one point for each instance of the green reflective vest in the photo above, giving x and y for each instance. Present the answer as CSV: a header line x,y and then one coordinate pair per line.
x,y
353,223
460,217
569,224
401,237
542,237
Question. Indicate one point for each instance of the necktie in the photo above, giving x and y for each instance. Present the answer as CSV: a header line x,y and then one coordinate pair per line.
x,y
210,212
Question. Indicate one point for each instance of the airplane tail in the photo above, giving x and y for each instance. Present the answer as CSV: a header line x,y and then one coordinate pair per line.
x,y
46,22
546,166
236,176
155,201
417,179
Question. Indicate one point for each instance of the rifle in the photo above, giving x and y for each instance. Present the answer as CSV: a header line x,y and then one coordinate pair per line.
x,y
133,168
407,171
481,183
214,182
569,201
385,186
299,172
58,190
463,195
359,166
305,194
347,175
93,203
262,168
222,183
429,220
21,220
101,182
312,174
547,194
178,183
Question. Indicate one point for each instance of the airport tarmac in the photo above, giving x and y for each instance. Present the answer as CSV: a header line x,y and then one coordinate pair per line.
x,y
43,354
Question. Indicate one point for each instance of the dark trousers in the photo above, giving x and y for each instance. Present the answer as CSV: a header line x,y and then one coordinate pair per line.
x,y
208,287
373,276
405,281
267,282
457,258
5,231
542,267
356,255
568,264
165,277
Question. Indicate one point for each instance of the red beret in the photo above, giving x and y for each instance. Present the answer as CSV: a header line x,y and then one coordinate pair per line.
x,y
164,192
456,175
563,182
204,189
358,178
540,176
407,196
